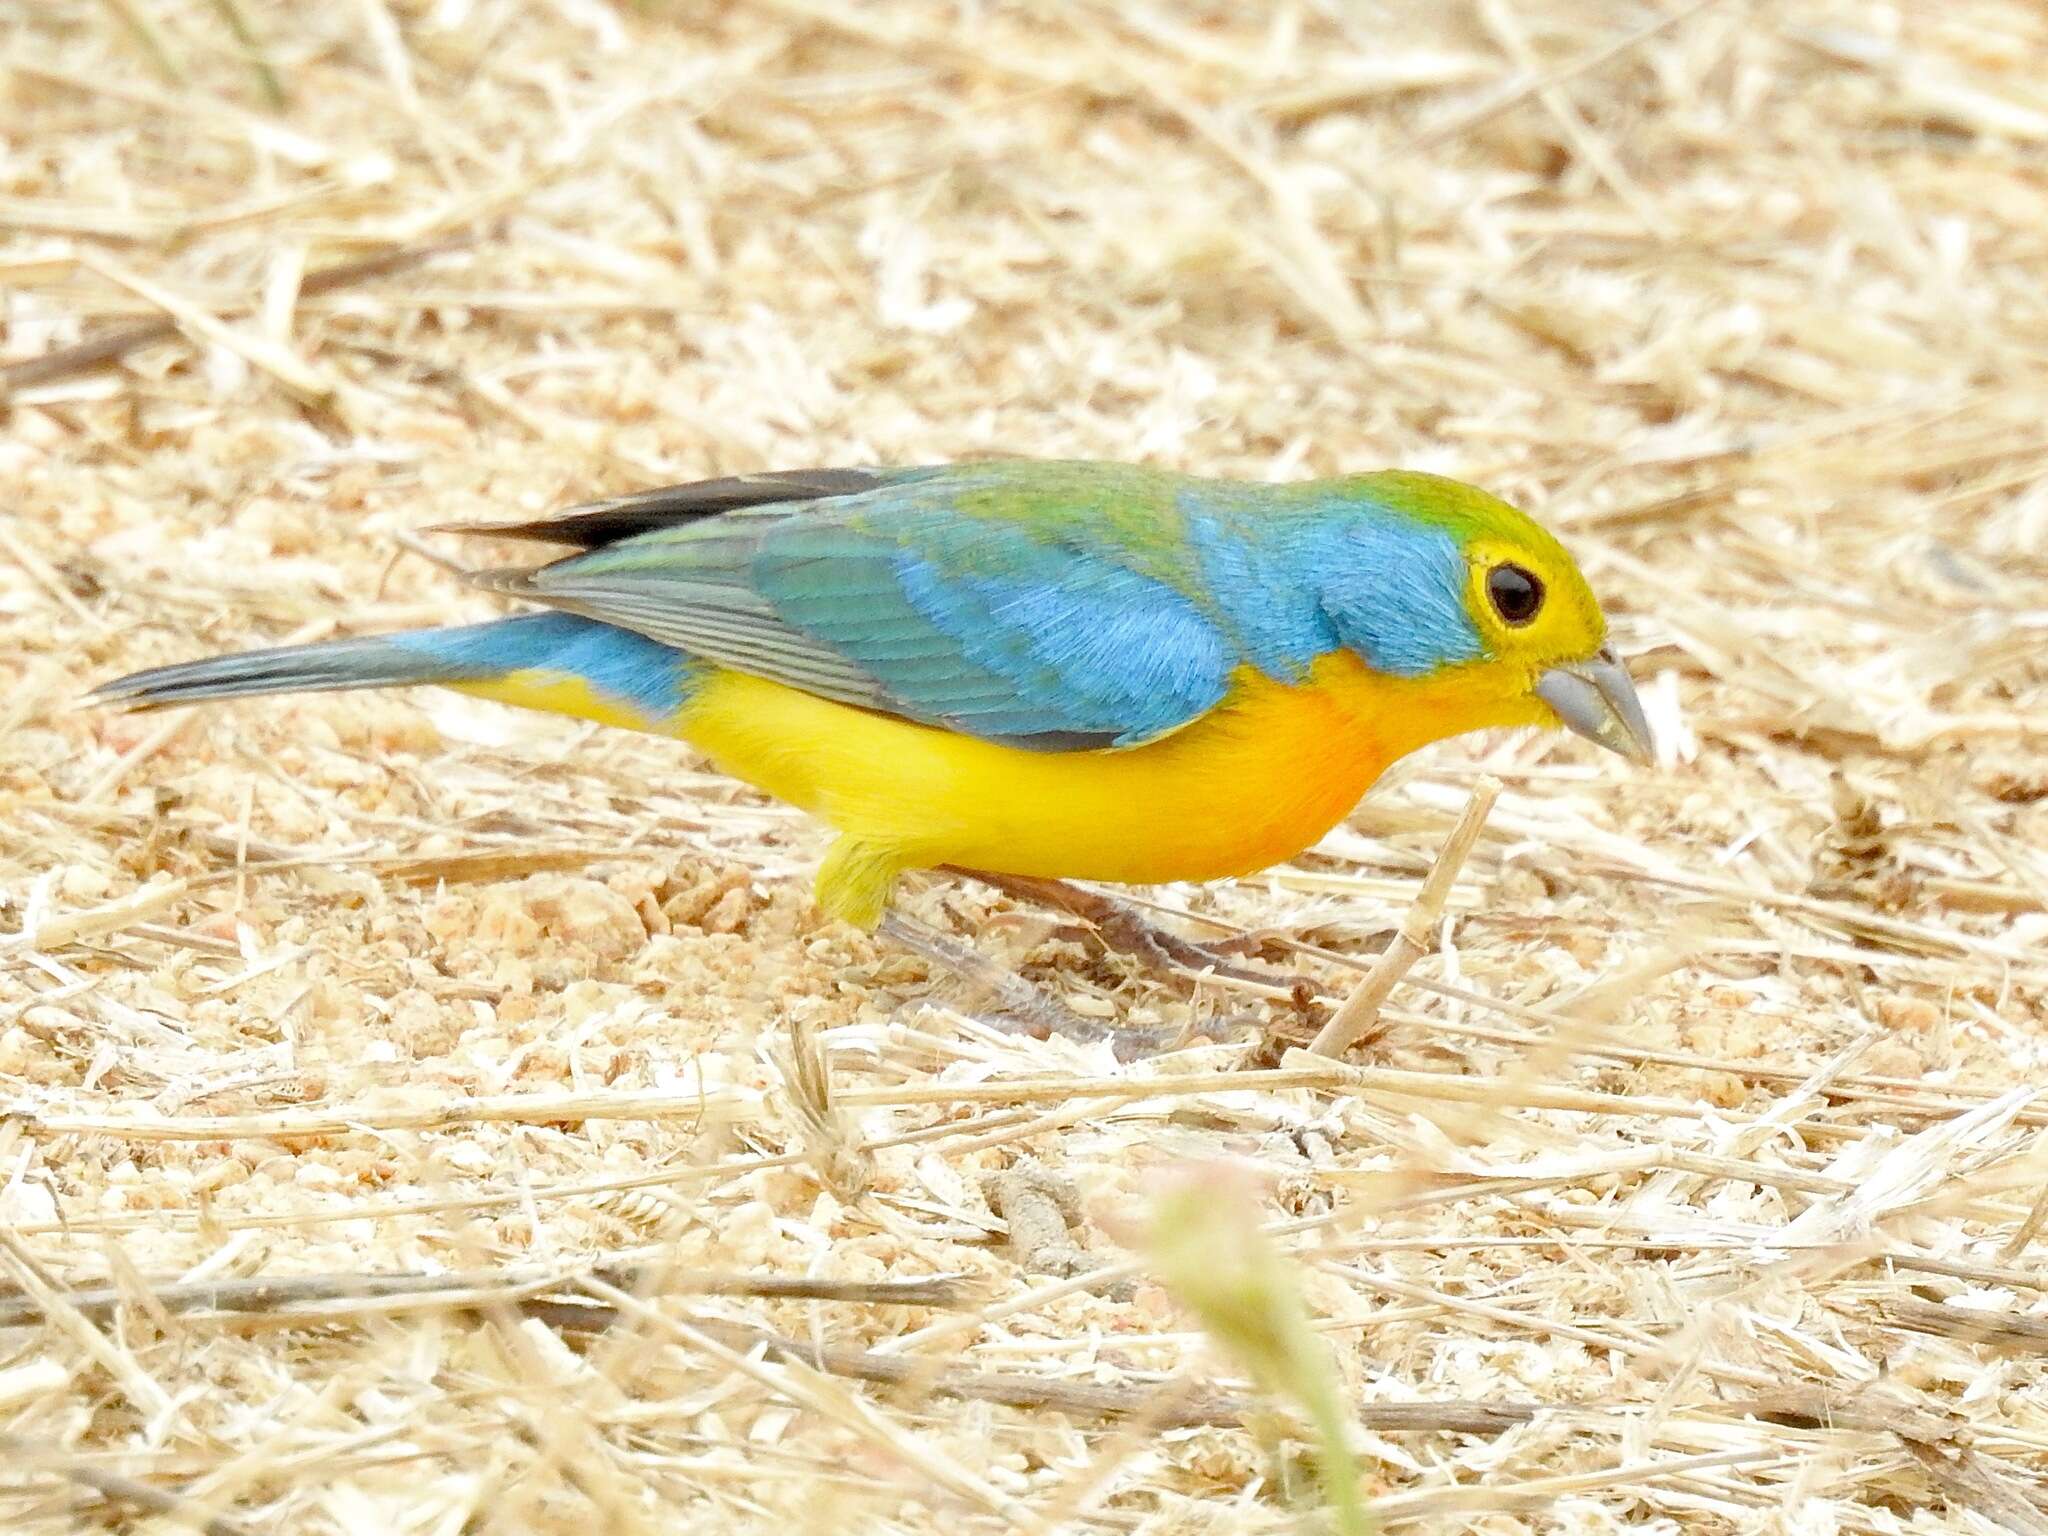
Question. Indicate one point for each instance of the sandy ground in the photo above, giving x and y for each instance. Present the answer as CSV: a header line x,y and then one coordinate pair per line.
x,y
1696,1184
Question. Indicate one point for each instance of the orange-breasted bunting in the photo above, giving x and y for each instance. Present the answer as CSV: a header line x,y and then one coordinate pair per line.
x,y
1081,670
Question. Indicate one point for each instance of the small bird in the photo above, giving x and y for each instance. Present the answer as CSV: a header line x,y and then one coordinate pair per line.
x,y
1039,670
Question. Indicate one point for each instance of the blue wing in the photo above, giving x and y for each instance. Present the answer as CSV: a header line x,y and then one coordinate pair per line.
x,y
996,604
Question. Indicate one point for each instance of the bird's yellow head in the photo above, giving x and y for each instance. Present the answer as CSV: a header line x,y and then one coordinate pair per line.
x,y
1440,580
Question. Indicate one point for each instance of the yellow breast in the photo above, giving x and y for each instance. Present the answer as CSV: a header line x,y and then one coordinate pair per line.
x,y
1253,782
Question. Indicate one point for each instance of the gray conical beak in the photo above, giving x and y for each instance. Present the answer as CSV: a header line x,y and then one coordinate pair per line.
x,y
1596,699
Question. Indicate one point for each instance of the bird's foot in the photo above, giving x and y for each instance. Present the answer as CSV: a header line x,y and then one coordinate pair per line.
x,y
1027,1009
1123,928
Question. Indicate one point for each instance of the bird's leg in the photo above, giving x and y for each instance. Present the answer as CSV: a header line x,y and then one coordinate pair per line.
x,y
1123,927
1031,1010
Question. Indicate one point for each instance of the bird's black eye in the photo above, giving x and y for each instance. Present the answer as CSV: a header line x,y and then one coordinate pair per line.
x,y
1516,594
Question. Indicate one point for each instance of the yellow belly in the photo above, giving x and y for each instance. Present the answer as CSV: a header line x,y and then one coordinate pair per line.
x,y
1249,784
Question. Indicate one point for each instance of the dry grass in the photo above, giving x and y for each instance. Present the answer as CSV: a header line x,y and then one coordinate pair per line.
x,y
1696,1183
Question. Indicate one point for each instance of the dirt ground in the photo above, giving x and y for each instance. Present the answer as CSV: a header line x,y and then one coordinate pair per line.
x,y
1697,1182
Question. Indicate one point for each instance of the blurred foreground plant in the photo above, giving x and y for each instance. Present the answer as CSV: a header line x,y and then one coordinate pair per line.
x,y
1206,1246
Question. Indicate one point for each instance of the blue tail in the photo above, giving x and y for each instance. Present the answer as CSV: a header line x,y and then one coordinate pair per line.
x,y
653,679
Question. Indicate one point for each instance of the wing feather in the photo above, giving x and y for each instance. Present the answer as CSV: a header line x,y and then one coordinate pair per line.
x,y
597,523
972,598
